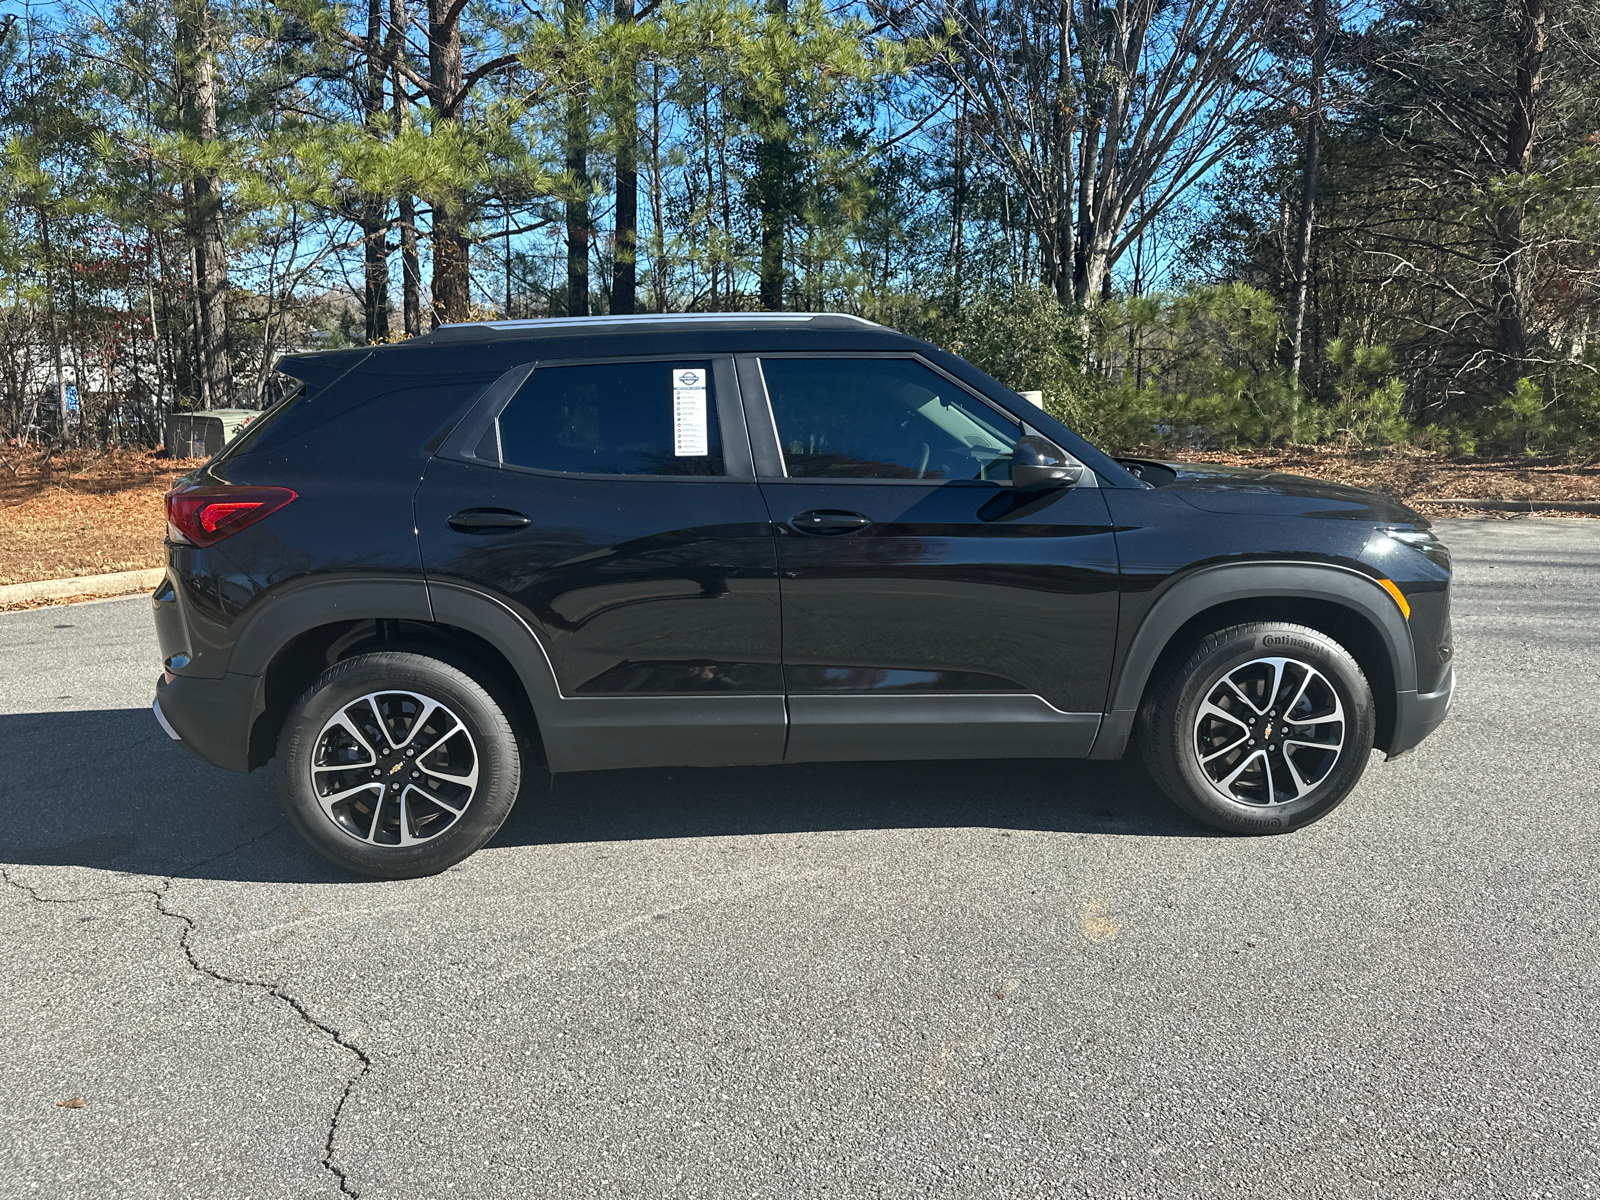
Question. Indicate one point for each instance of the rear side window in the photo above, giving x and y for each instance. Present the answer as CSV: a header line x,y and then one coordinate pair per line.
x,y
289,392
650,418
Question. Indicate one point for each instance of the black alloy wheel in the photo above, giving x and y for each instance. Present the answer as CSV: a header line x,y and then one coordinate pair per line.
x,y
395,764
1264,728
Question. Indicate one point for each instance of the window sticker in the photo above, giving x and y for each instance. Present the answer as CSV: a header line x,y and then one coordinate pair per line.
x,y
689,437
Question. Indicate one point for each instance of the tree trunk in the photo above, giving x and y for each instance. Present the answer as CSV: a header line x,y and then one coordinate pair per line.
x,y
198,99
410,259
1511,268
658,241
577,164
50,316
196,376
625,269
410,267
578,212
375,209
452,281
774,179
79,370
1063,131
1309,179
1085,277
958,204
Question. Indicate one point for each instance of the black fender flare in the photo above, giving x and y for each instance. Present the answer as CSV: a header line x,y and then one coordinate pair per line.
x,y
1186,597
279,616
497,623
284,614
308,604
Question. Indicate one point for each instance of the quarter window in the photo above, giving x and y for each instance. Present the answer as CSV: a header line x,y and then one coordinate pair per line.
x,y
654,418
884,418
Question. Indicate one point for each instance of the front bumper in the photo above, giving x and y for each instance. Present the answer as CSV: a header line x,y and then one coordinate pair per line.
x,y
211,718
1416,716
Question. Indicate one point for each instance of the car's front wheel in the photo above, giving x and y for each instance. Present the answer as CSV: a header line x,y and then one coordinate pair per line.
x,y
396,765
1265,727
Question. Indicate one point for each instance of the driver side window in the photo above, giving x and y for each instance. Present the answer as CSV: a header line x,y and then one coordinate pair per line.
x,y
883,418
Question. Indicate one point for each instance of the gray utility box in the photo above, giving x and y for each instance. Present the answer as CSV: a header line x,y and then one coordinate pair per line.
x,y
202,433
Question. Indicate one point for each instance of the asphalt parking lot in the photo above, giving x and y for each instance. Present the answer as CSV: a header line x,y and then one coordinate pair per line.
x,y
953,980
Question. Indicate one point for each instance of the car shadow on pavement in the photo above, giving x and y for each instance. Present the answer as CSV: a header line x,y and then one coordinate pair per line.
x,y
106,789
1046,795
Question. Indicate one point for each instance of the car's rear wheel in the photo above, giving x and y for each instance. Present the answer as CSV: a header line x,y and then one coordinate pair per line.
x,y
1263,728
396,765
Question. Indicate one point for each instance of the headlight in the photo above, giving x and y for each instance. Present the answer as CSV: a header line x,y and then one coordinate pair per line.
x,y
1425,541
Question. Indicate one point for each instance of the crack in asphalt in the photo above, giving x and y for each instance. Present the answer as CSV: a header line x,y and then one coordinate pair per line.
x,y
364,1061
159,894
221,854
35,895
89,762
33,892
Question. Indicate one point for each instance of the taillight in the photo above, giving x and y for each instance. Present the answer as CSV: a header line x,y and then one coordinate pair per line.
x,y
203,516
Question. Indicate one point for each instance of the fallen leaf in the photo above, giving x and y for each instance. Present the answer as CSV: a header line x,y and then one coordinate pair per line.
x,y
1096,924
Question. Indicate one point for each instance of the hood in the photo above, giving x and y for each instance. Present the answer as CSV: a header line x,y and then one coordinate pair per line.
x,y
1215,487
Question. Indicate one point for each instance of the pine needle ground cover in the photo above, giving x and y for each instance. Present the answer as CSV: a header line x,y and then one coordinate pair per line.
x,y
88,514
1416,477
83,514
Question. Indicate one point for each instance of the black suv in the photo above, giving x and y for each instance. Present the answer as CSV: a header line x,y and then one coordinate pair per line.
x,y
436,567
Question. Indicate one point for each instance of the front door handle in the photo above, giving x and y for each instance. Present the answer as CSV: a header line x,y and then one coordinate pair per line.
x,y
487,520
829,520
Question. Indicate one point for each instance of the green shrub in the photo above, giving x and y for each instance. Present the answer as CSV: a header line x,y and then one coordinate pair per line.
x,y
1369,395
1202,367
1206,360
1029,341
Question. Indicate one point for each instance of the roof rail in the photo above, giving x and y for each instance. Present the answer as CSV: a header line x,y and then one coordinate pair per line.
x,y
658,318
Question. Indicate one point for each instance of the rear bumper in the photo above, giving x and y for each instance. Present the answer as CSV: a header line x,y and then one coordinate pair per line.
x,y
1416,716
212,718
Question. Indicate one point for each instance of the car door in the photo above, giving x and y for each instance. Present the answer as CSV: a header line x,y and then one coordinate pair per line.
x,y
612,505
929,610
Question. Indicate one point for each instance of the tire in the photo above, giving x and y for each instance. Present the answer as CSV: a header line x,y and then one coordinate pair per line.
x,y
355,792
1208,740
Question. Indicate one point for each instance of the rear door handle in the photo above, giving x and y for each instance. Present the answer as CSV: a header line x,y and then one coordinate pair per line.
x,y
829,520
487,520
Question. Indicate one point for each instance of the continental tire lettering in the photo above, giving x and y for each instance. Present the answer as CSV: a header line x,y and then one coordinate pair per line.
x,y
1262,822
1287,639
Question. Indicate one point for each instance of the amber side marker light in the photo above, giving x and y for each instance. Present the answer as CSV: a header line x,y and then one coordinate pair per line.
x,y
1389,586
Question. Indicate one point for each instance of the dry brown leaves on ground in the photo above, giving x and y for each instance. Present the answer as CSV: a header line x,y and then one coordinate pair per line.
x,y
1416,477
83,514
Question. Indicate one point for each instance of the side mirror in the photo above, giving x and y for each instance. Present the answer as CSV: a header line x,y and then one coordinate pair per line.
x,y
1038,463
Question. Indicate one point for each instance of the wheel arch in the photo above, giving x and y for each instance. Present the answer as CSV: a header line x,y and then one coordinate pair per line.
x,y
305,631
1344,603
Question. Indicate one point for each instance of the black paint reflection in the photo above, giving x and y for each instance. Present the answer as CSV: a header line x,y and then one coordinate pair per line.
x,y
954,587
638,585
